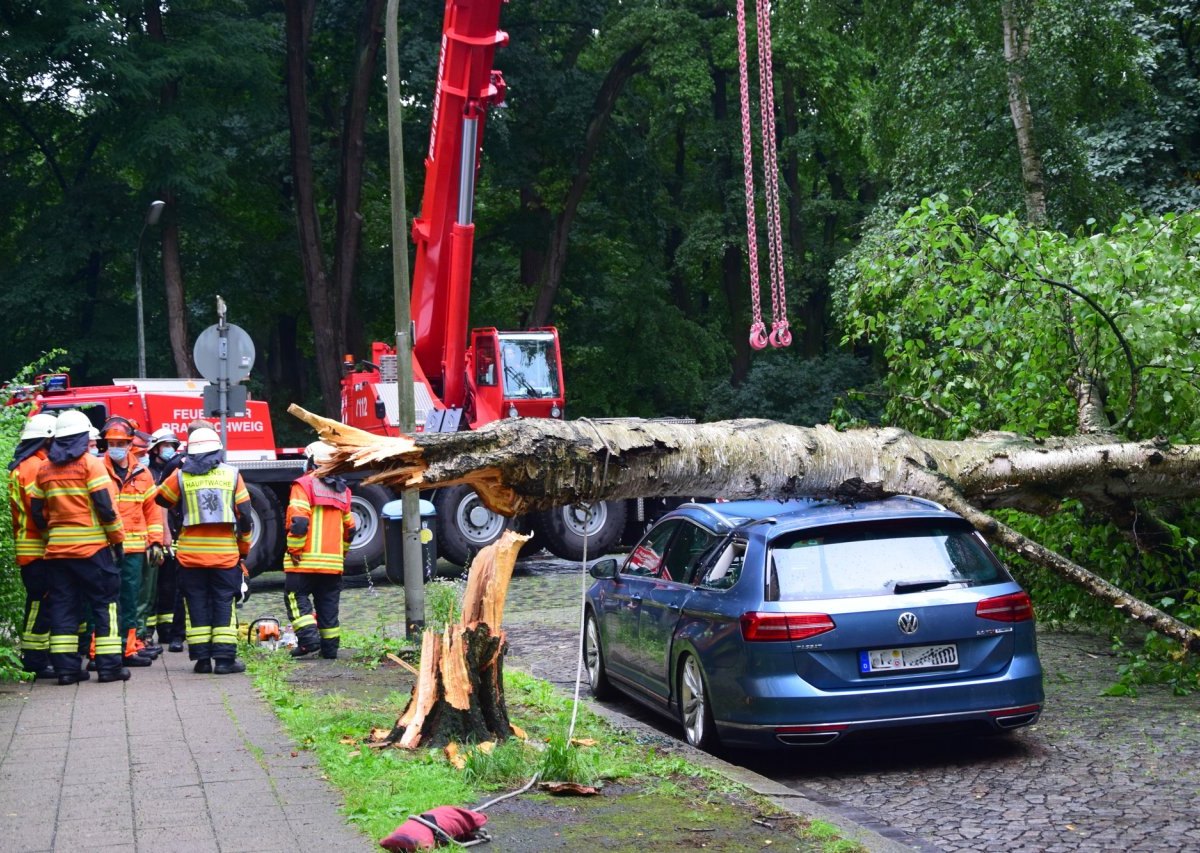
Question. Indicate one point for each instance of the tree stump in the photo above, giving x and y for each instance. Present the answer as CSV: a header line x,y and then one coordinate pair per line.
x,y
459,692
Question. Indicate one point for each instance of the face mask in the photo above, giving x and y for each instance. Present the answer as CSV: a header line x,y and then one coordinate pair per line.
x,y
118,454
167,454
95,451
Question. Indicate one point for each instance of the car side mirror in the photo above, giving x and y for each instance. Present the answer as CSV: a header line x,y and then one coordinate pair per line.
x,y
606,568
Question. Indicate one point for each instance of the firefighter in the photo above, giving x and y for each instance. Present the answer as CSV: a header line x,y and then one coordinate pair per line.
x,y
166,615
31,544
319,530
212,546
142,521
74,500
146,615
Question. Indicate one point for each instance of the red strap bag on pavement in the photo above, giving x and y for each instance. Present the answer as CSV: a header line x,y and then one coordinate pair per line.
x,y
443,825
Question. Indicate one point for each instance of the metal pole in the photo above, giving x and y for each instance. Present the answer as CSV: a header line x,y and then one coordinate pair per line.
x,y
141,323
414,578
222,365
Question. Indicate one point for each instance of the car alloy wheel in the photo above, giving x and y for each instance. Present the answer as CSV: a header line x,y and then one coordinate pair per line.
x,y
693,705
593,659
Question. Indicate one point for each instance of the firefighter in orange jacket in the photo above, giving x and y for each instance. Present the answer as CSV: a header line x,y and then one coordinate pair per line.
x,y
31,543
319,528
142,520
73,498
213,542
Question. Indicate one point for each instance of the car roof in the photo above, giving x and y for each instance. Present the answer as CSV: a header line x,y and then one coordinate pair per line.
x,y
801,513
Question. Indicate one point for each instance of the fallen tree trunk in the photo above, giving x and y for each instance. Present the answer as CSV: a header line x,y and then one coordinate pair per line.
x,y
459,692
518,466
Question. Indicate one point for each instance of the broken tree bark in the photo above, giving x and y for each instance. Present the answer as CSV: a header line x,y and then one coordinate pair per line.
x,y
459,692
518,466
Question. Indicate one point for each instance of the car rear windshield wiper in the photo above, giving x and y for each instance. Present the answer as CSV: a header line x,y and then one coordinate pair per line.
x,y
903,587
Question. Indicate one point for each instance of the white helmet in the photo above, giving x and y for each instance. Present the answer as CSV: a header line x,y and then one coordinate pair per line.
x,y
163,435
41,425
71,422
203,440
93,434
319,452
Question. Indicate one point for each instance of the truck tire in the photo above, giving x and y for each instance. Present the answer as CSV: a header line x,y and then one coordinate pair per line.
x,y
464,524
367,546
266,536
562,529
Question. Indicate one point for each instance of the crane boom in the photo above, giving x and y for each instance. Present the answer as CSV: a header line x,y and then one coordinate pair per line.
x,y
444,232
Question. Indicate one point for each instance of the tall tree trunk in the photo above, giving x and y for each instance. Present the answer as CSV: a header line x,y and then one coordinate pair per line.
x,y
556,254
347,238
177,326
1017,34
521,465
324,310
177,313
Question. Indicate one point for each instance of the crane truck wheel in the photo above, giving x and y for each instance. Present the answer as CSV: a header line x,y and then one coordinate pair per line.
x,y
563,529
366,548
464,524
266,534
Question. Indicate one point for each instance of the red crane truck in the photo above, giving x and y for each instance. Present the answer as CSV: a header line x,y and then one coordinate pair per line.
x,y
466,379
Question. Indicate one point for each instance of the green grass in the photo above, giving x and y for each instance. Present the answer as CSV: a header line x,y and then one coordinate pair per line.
x,y
383,787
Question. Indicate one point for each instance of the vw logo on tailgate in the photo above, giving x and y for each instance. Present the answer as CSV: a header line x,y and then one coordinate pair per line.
x,y
907,623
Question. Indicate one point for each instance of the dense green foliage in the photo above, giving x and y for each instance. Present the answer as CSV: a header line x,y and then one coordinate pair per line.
x,y
885,101
982,321
621,129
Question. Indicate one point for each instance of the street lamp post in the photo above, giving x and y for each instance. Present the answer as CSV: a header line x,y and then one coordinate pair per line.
x,y
152,214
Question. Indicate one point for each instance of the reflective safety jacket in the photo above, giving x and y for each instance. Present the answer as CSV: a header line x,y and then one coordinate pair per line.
x,y
77,501
216,517
141,516
29,540
319,526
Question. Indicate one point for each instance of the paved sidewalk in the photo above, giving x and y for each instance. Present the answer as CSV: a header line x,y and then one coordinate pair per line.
x,y
168,761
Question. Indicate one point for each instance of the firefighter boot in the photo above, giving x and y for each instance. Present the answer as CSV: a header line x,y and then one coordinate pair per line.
x,y
121,674
72,677
225,666
203,666
132,658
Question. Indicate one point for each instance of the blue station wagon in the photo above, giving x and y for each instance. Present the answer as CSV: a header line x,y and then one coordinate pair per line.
x,y
761,623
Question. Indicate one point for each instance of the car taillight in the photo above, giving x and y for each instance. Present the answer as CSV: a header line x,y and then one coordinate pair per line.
x,y
767,627
1014,607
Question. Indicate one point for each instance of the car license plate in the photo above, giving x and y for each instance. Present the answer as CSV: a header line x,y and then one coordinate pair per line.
x,y
913,657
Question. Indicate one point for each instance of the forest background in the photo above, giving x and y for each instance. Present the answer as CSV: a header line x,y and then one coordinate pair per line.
x,y
1034,143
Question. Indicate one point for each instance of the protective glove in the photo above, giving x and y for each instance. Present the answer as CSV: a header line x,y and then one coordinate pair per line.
x,y
118,552
155,555
295,556
244,592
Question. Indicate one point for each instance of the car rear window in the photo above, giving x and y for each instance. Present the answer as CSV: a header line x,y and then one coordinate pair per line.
x,y
879,558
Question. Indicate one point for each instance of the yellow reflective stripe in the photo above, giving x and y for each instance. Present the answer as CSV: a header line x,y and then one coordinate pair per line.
x,y
51,492
303,622
166,618
60,643
330,633
224,635
108,645
99,482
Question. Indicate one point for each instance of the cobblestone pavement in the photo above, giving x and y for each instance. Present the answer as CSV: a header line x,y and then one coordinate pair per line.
x,y
1096,773
167,762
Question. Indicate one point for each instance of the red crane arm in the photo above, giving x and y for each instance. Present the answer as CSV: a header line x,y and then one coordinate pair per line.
x,y
443,231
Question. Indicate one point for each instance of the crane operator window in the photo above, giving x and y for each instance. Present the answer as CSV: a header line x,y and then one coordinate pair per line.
x,y
530,366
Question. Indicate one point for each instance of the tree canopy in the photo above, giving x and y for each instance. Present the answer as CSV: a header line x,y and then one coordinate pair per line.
x,y
987,210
